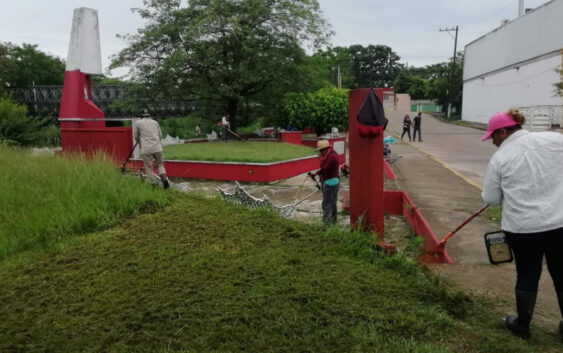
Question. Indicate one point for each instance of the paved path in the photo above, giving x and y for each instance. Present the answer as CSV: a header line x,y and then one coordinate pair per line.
x,y
459,147
443,175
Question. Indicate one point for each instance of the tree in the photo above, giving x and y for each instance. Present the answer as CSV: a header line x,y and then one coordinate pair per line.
x,y
231,55
374,65
446,82
24,65
320,110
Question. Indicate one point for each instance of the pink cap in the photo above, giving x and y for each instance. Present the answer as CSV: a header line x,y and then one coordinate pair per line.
x,y
498,121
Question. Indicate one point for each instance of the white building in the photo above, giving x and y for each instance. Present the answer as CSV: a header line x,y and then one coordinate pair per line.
x,y
515,66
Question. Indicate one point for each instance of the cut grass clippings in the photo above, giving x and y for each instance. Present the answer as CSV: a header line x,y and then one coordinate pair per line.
x,y
237,151
47,198
205,276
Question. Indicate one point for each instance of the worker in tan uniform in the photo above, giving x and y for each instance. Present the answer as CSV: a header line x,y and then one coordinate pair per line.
x,y
147,133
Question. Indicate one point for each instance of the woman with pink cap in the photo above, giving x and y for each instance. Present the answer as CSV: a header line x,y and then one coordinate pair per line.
x,y
525,175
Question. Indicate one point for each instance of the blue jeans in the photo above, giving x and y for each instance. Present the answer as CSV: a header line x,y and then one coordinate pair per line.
x,y
529,249
330,197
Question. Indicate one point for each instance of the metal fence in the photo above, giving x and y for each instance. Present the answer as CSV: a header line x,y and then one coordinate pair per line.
x,y
542,117
45,101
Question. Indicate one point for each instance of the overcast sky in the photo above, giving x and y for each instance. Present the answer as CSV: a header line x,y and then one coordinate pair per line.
x,y
409,27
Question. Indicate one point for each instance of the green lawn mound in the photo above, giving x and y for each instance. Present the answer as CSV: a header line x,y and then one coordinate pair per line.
x,y
237,151
205,276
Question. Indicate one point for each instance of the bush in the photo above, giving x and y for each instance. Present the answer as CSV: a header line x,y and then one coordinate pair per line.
x,y
184,128
16,128
320,110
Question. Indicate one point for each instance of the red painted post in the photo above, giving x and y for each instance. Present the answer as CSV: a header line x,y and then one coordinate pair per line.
x,y
366,170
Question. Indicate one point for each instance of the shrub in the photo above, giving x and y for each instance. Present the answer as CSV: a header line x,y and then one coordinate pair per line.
x,y
320,110
16,128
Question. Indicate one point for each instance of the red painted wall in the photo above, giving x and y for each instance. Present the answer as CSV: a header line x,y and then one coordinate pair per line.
x,y
256,172
293,137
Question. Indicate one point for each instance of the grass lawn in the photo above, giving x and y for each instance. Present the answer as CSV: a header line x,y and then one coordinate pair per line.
x,y
237,151
44,199
205,276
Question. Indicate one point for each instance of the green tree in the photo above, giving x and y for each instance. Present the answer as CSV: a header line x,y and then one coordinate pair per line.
x,y
16,128
24,65
374,65
320,110
234,56
446,83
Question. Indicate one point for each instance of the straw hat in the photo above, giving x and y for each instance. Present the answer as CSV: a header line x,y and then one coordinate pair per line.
x,y
322,144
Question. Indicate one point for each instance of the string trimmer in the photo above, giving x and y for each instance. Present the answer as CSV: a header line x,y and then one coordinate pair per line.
x,y
128,158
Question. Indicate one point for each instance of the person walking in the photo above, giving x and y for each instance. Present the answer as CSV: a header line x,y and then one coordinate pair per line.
x,y
417,124
407,127
525,176
146,132
197,130
330,167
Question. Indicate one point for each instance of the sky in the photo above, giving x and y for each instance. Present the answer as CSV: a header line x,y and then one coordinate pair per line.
x,y
410,27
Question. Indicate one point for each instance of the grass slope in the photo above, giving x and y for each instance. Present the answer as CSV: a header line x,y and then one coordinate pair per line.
x,y
237,151
47,198
204,276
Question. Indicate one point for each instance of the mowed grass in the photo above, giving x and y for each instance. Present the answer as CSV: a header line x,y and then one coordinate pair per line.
x,y
204,276
237,151
44,199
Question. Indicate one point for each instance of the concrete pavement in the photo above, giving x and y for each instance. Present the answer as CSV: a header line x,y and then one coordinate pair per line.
x,y
444,175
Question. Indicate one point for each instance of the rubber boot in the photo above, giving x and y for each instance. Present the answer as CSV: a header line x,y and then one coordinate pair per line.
x,y
560,300
165,183
525,303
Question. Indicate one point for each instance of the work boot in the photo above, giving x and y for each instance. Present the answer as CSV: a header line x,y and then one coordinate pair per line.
x,y
525,303
165,183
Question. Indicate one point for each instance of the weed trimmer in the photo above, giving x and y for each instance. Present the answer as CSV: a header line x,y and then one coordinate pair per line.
x,y
317,184
439,251
235,134
128,158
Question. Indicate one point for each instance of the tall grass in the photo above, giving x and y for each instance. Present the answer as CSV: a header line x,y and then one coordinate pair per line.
x,y
237,151
47,198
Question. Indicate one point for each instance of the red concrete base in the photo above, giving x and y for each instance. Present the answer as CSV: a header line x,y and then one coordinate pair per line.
x,y
247,172
399,203
116,142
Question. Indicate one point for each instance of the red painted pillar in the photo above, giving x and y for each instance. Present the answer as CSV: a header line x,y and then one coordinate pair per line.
x,y
366,170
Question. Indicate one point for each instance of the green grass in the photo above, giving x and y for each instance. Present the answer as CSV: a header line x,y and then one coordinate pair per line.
x,y
237,151
494,213
204,276
47,198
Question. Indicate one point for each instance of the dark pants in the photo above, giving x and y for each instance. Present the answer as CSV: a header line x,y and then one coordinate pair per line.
x,y
414,133
330,197
406,130
529,250
225,132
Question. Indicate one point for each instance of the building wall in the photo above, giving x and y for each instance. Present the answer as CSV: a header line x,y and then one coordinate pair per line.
x,y
514,65
530,85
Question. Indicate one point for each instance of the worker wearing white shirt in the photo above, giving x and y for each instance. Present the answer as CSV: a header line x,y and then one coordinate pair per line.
x,y
525,176
147,132
226,124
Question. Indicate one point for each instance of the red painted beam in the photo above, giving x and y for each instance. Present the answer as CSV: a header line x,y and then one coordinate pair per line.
x,y
229,171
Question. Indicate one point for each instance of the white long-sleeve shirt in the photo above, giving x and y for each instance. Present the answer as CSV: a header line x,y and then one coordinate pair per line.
x,y
147,132
525,175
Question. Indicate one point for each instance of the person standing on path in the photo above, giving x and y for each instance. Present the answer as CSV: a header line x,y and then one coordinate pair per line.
x,y
417,123
147,133
407,127
330,166
525,175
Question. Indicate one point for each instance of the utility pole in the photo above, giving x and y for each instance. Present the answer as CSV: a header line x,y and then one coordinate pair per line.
x,y
456,28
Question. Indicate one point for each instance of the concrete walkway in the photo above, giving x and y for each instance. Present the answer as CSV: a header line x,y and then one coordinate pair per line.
x,y
444,176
